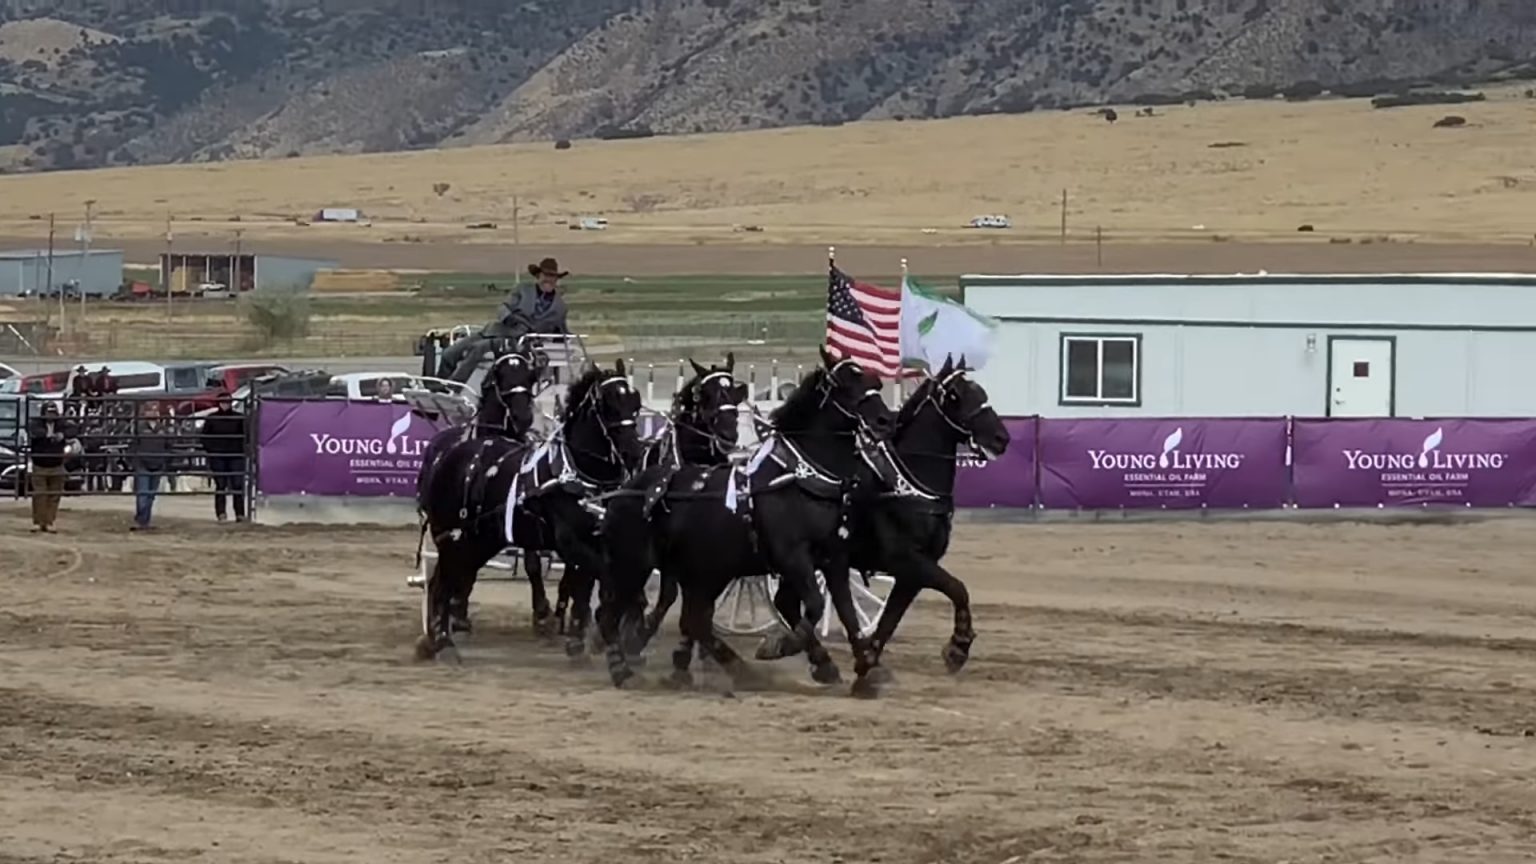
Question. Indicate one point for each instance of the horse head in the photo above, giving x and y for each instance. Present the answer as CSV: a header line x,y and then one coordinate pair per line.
x,y
964,405
600,419
854,392
710,404
511,387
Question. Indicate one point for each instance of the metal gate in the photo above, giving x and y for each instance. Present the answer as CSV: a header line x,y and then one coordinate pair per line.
x,y
113,442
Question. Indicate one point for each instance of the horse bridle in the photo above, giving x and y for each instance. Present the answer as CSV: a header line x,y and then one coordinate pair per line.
x,y
963,427
829,384
590,403
517,357
706,419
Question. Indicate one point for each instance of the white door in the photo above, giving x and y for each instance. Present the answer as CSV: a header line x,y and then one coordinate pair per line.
x,y
1360,381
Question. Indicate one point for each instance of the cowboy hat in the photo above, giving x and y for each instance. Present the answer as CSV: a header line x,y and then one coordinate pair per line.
x,y
548,266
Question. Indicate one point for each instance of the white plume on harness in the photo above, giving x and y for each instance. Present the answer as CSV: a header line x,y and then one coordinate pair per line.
x,y
739,481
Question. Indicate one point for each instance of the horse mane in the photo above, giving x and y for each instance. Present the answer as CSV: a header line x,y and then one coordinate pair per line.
x,y
686,399
803,404
581,388
914,403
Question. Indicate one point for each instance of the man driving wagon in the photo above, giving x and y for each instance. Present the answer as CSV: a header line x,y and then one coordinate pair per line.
x,y
535,307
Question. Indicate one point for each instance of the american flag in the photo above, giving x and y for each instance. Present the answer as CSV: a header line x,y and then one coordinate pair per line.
x,y
864,323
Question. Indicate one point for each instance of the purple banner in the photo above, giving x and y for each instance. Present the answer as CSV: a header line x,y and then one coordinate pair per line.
x,y
1176,463
1008,480
335,447
1389,462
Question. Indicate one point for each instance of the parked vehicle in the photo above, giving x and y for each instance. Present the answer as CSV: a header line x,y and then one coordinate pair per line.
x,y
365,386
216,380
38,384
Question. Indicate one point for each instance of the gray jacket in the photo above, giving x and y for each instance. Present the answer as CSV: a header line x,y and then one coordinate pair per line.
x,y
520,313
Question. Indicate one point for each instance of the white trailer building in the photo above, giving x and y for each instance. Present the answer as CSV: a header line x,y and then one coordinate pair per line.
x,y
1391,345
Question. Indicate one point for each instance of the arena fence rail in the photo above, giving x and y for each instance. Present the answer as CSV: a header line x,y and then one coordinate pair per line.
x,y
110,440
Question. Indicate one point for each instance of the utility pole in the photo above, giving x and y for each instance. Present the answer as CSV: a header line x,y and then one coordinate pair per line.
x,y
235,280
85,259
50,273
166,267
1063,216
515,220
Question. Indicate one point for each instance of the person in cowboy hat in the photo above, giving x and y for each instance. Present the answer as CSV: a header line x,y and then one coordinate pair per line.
x,y
532,307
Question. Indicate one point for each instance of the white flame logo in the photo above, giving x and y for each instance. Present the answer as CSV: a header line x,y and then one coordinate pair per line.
x,y
1170,444
1430,443
400,427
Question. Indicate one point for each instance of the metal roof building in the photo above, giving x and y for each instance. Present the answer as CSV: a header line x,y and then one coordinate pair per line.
x,y
26,272
184,271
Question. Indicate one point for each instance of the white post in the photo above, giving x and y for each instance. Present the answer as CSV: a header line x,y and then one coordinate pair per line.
x,y
650,382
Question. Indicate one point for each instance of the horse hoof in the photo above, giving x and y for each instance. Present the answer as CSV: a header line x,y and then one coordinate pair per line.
x,y
826,673
544,625
426,648
449,655
866,688
462,625
955,656
680,679
621,677
776,647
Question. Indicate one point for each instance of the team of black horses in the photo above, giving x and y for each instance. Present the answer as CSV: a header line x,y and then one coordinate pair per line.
x,y
838,483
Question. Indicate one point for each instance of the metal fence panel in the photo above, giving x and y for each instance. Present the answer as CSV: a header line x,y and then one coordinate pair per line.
x,y
111,439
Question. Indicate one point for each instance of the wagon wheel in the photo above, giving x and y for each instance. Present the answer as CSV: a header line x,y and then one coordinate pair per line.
x,y
746,608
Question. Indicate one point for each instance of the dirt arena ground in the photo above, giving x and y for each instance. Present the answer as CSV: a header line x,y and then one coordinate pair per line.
x,y
1256,692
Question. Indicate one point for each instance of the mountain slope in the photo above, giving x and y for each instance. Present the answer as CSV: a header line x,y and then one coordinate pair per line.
x,y
271,78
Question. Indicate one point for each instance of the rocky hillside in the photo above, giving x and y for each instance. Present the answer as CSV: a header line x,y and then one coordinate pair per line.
x,y
91,82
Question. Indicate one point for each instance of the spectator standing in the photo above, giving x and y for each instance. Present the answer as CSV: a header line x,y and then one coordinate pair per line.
x,y
151,455
224,444
48,439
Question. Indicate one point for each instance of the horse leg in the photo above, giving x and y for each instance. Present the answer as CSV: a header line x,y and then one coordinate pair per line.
x,y
698,625
835,573
958,650
459,606
781,644
563,599
799,567
666,597
437,602
543,615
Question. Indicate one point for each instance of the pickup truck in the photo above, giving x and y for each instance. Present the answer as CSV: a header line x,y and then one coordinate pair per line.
x,y
228,378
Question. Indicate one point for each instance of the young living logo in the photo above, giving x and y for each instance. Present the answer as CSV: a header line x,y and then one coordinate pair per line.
x,y
1170,459
397,444
1429,458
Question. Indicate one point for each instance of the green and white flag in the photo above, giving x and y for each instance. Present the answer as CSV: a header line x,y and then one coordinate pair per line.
x,y
934,327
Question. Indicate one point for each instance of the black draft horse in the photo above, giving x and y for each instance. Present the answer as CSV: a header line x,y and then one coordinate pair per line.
x,y
455,498
903,512
789,513
704,430
561,485
704,424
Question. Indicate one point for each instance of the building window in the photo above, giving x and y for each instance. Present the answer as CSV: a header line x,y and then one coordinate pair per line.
x,y
1100,369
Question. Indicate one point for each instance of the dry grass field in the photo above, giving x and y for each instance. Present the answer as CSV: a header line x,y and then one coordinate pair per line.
x,y
1240,170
